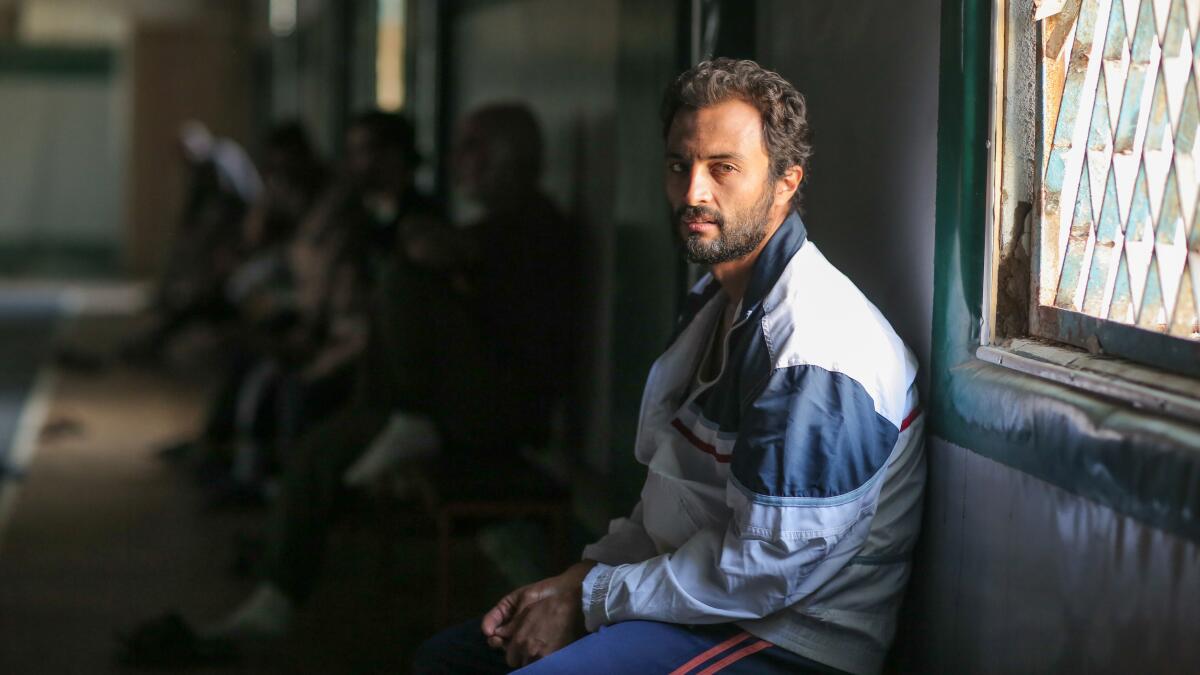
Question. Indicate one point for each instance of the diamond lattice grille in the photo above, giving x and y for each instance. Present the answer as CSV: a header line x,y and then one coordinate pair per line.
x,y
1120,109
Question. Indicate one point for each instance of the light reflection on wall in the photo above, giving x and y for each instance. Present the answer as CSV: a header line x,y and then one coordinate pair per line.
x,y
389,61
282,17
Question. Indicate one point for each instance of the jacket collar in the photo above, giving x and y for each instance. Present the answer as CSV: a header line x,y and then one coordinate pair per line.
x,y
696,299
775,256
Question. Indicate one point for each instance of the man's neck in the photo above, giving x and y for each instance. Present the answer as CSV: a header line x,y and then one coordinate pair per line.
x,y
734,275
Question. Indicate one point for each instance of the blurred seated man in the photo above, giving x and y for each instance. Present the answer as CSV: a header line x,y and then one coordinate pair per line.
x,y
305,307
337,300
343,246
512,280
206,247
471,343
258,287
334,264
294,177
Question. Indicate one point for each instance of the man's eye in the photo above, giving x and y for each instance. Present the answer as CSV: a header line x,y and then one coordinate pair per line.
x,y
726,168
675,167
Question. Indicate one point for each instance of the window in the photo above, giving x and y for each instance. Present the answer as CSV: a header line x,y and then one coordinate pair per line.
x,y
389,57
1118,208
1096,113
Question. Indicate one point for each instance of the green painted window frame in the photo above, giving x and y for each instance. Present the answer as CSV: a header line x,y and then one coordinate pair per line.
x,y
1137,462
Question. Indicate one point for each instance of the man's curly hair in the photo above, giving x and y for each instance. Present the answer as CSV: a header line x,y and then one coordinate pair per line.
x,y
783,109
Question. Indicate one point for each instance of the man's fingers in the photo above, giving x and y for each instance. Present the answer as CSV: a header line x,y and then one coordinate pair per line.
x,y
497,642
498,614
532,652
493,619
509,605
513,655
516,634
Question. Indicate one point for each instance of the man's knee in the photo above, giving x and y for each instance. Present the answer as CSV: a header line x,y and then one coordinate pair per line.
x,y
430,657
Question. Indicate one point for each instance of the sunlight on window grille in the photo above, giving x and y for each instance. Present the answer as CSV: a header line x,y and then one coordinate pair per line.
x,y
1120,111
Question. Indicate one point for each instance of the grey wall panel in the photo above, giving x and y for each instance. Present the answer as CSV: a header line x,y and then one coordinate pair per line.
x,y
1016,575
870,73
559,59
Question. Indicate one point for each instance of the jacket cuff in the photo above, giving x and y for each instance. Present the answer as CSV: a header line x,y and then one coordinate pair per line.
x,y
595,596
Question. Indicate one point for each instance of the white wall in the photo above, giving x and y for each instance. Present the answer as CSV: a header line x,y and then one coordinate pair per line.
x,y
62,167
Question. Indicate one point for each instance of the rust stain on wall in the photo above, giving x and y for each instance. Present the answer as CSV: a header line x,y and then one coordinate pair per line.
x,y
1013,296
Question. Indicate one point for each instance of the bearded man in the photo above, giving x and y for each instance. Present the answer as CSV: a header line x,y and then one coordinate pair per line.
x,y
780,430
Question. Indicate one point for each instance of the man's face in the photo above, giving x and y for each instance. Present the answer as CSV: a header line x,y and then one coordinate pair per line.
x,y
471,159
371,166
718,181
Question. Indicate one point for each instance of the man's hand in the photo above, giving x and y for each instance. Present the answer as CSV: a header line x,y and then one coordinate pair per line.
x,y
539,619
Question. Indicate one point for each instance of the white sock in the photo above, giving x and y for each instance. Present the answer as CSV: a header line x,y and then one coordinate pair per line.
x,y
267,613
405,437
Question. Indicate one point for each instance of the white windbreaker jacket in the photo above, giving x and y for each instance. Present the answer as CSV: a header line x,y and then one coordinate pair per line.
x,y
785,495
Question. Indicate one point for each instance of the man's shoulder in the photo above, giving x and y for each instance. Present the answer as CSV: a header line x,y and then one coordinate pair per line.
x,y
815,317
814,304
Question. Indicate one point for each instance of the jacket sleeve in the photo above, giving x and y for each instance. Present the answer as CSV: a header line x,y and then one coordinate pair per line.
x,y
803,487
625,542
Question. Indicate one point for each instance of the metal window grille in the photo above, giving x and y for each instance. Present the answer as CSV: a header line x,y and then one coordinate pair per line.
x,y
1120,237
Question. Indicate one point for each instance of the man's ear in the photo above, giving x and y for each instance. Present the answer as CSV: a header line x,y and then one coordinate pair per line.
x,y
788,183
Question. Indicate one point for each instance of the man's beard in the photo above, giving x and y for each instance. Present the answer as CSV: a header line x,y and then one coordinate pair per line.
x,y
735,238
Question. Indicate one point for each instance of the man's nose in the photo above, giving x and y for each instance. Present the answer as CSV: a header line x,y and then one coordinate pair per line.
x,y
699,187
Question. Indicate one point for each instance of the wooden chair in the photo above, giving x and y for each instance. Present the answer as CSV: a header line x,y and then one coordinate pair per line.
x,y
460,488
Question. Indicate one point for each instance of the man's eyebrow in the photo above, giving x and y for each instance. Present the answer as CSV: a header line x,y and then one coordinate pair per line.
x,y
721,155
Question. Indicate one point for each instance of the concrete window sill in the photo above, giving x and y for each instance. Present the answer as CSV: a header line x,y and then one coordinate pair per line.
x,y
1145,388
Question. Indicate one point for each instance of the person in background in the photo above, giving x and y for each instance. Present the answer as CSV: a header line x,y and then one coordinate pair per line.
x,y
306,335
334,307
242,415
223,184
472,343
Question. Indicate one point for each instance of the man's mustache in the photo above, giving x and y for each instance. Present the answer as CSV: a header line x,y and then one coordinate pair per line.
x,y
699,214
